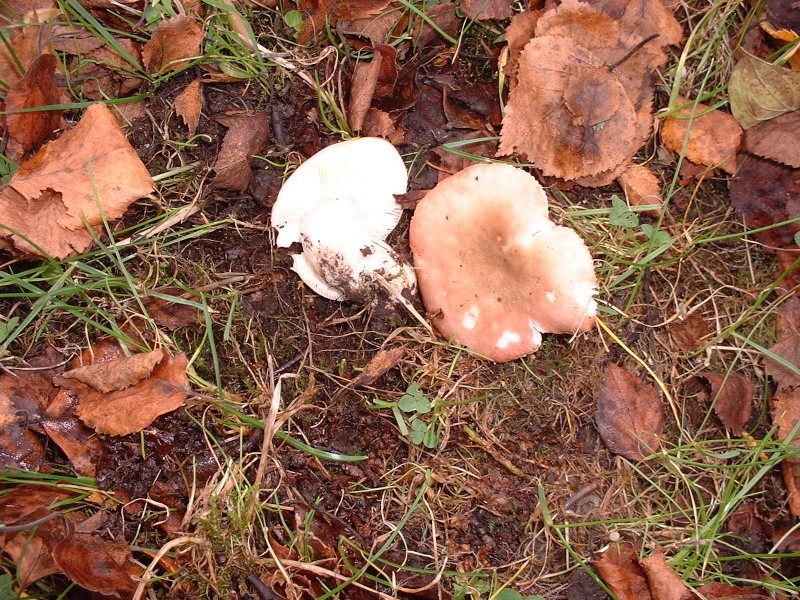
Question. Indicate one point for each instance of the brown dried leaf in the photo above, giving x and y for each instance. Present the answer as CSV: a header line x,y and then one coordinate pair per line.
x,y
784,14
189,104
247,135
765,192
136,407
171,46
568,114
22,49
51,194
98,565
732,395
641,187
487,9
688,333
620,569
362,89
630,414
170,314
786,415
380,364
375,29
379,123
724,591
104,72
776,139
787,345
518,33
714,137
119,374
319,11
29,130
664,582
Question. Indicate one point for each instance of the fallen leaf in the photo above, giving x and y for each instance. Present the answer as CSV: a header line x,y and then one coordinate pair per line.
x,y
568,114
132,409
776,139
759,90
764,192
620,569
487,9
119,374
27,131
753,533
20,50
171,314
318,12
518,33
690,332
630,414
784,14
98,565
725,591
641,187
104,72
362,89
172,45
379,123
663,581
706,137
247,135
27,549
90,173
380,364
732,396
189,103
375,29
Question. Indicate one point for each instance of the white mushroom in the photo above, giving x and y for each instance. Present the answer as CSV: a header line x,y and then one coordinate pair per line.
x,y
340,206
367,172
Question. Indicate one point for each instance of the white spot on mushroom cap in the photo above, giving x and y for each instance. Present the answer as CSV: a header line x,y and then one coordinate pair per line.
x,y
471,317
584,294
508,337
551,297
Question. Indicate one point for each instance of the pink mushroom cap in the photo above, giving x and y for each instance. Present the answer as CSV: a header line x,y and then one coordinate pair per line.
x,y
493,271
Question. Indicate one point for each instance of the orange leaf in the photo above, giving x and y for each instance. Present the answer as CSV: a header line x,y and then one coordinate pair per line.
x,y
29,130
714,137
118,374
90,173
133,408
664,582
172,44
620,569
189,103
641,186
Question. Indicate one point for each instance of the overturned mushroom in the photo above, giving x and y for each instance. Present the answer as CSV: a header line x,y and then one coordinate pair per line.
x,y
494,271
340,206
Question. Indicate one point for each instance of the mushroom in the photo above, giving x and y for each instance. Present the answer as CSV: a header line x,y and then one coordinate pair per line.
x,y
340,206
494,271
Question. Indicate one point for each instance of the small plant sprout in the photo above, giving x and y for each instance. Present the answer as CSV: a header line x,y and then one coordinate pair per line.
x,y
408,412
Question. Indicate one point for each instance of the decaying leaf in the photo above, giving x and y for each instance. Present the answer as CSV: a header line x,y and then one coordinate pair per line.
x,y
189,104
20,51
486,9
171,314
760,91
732,395
663,581
630,414
98,565
362,88
133,408
787,346
518,33
776,139
246,136
381,363
172,45
568,114
119,374
641,187
620,569
705,137
27,131
332,11
764,193
89,174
